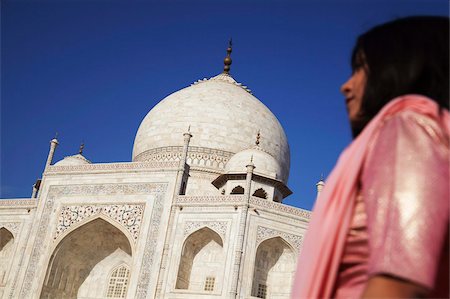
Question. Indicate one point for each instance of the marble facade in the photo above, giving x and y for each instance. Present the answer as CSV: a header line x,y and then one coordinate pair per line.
x,y
178,221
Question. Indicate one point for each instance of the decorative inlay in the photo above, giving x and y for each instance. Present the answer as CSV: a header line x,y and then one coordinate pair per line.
x,y
271,205
129,216
13,227
264,233
112,166
157,189
166,153
18,202
219,227
150,245
231,199
197,156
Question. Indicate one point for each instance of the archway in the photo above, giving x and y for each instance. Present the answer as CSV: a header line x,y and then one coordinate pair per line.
x,y
6,253
202,262
274,269
81,264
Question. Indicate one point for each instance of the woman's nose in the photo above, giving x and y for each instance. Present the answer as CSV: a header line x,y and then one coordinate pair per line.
x,y
346,87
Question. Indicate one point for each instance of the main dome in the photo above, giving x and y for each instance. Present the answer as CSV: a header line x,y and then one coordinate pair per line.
x,y
223,116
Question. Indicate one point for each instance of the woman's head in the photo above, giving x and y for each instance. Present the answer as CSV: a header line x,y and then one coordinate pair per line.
x,y
405,56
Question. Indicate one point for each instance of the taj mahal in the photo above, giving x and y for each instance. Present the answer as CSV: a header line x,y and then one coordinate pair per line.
x,y
197,213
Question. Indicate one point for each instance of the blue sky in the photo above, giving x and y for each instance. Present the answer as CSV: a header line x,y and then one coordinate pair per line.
x,y
91,70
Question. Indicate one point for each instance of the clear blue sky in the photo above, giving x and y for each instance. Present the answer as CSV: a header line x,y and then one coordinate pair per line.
x,y
91,70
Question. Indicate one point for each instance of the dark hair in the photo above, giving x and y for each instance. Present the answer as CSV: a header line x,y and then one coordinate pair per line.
x,y
405,56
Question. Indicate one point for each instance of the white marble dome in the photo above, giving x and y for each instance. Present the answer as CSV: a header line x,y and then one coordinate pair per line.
x,y
222,114
265,164
77,159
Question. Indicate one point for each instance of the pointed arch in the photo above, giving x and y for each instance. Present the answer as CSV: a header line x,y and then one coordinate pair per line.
x,y
238,190
103,217
97,244
5,238
261,193
6,253
283,239
204,226
274,269
202,262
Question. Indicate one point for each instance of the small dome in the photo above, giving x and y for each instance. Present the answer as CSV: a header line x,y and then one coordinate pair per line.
x,y
265,164
77,159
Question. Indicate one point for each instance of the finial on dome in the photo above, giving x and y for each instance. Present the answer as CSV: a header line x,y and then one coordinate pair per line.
x,y
227,61
258,136
80,151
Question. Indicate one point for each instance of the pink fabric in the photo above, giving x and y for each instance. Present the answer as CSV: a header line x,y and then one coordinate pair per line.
x,y
405,186
353,270
324,243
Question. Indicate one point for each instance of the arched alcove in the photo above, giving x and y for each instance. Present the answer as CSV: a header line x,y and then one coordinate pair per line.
x,y
81,264
274,269
237,190
261,193
6,253
202,262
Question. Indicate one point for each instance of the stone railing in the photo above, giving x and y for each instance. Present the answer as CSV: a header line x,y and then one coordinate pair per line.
x,y
275,206
210,200
255,202
197,156
18,202
113,167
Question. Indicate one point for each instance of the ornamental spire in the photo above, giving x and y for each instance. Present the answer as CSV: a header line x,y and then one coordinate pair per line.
x,y
80,151
227,61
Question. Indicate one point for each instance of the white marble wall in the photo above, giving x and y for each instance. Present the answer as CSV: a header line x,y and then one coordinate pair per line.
x,y
16,216
136,200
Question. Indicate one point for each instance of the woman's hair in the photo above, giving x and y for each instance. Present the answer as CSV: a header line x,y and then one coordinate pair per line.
x,y
405,56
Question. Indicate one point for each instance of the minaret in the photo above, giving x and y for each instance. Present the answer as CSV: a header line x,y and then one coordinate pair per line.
x,y
183,180
36,187
248,181
237,269
227,61
187,138
180,186
320,184
53,144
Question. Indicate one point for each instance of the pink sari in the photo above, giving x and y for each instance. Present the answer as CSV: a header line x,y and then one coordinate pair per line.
x,y
324,243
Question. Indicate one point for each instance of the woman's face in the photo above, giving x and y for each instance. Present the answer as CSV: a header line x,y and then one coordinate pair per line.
x,y
353,91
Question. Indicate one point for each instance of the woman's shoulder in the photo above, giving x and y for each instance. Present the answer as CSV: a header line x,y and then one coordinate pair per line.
x,y
416,126
405,137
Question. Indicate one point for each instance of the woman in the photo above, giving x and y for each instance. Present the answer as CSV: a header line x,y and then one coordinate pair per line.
x,y
380,226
